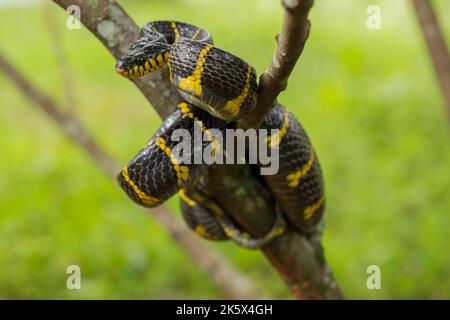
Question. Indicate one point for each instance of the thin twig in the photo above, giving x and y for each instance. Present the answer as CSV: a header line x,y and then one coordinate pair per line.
x,y
290,44
436,46
234,284
60,57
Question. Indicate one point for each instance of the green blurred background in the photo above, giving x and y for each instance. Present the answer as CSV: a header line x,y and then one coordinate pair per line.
x,y
368,99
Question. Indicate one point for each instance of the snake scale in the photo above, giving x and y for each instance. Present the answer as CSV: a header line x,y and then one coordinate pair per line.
x,y
218,89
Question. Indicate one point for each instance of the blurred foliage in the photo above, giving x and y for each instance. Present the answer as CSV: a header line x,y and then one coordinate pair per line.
x,y
368,99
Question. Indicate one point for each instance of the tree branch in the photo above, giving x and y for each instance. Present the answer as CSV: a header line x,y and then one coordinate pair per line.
x,y
436,46
233,284
60,56
291,41
299,261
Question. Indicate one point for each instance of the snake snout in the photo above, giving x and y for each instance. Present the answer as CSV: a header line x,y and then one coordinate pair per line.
x,y
122,69
119,70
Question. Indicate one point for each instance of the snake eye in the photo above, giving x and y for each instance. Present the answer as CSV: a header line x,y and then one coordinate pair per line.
x,y
140,60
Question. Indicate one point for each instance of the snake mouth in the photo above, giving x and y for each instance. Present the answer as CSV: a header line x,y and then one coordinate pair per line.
x,y
136,65
119,70
139,70
122,72
134,72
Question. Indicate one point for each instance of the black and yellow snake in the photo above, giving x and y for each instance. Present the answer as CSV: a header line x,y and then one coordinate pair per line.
x,y
219,89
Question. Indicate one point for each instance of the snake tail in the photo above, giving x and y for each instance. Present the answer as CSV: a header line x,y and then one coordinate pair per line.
x,y
208,220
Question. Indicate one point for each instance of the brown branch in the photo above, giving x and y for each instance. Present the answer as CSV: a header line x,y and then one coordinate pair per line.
x,y
299,261
436,46
291,41
233,283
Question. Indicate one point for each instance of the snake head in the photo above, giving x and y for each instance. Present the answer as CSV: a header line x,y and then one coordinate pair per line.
x,y
147,54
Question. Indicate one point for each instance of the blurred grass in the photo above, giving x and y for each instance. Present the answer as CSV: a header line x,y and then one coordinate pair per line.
x,y
368,99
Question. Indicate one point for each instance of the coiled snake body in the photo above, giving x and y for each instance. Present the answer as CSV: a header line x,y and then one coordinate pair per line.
x,y
219,89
